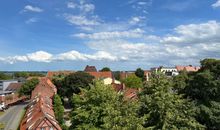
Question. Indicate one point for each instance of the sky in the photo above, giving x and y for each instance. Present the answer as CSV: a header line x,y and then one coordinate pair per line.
x,y
121,34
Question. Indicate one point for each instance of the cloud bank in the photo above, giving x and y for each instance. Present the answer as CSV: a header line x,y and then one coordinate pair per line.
x,y
186,44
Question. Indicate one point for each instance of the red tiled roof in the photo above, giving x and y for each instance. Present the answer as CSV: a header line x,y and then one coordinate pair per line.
x,y
14,87
39,112
99,75
188,68
90,69
44,88
130,93
117,87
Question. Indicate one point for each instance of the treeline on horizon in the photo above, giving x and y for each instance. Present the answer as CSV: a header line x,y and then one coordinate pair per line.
x,y
7,75
189,101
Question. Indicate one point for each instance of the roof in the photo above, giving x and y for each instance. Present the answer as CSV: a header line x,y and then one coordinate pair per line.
x,y
14,87
188,68
101,75
45,88
90,69
130,93
38,111
5,92
118,87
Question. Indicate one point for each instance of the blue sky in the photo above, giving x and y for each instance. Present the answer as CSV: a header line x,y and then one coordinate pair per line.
x,y
121,34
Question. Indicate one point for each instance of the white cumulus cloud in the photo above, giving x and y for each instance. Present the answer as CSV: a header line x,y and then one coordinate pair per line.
x,y
81,20
136,33
216,4
32,9
195,33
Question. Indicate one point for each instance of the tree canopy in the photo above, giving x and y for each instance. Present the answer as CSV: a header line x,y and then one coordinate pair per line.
x,y
132,81
163,108
204,89
58,109
28,86
101,107
4,76
140,73
73,83
105,69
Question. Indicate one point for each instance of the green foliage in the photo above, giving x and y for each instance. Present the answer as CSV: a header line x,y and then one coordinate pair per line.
x,y
101,107
140,73
163,108
73,82
28,86
132,81
21,74
116,75
105,69
58,109
180,81
25,74
4,76
204,89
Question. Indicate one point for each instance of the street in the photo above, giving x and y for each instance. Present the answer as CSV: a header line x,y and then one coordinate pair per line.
x,y
12,116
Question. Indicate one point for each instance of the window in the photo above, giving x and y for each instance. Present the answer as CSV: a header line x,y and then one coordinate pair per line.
x,y
51,128
42,128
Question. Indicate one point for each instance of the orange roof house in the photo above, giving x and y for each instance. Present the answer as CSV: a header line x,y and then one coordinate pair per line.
x,y
130,93
101,75
44,88
39,115
188,68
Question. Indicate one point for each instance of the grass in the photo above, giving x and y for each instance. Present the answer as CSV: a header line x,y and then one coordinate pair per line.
x,y
2,126
23,113
1,113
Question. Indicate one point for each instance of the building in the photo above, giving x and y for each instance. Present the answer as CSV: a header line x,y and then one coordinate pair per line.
x,y
188,68
14,87
90,69
40,114
44,88
108,81
101,75
10,95
168,71
147,74
5,83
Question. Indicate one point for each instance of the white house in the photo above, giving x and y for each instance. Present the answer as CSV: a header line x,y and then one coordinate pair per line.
x,y
108,81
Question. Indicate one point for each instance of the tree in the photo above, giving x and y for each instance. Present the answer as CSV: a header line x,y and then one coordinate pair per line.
x,y
105,69
140,73
163,108
103,108
73,82
28,86
21,74
4,76
116,75
204,89
180,81
132,81
58,109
